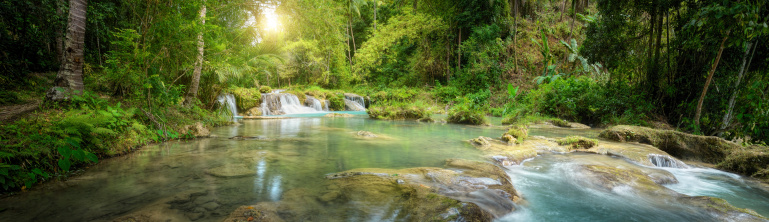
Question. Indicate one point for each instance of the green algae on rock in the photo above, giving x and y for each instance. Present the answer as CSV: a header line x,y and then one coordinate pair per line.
x,y
502,152
709,149
577,142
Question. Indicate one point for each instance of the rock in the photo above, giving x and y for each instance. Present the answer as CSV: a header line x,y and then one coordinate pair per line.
x,y
503,153
210,205
196,130
752,161
231,170
509,139
709,149
366,134
251,138
246,98
344,115
262,212
608,178
640,153
520,132
560,123
330,196
577,142
479,191
255,111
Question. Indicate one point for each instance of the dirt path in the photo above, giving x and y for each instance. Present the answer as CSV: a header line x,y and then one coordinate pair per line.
x,y
9,113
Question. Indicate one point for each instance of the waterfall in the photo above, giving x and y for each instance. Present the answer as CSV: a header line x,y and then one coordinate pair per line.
x,y
325,105
278,103
354,102
665,161
228,101
314,103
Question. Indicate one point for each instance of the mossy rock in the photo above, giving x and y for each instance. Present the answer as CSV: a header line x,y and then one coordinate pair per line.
x,y
399,112
560,123
577,142
520,132
246,98
467,117
751,161
709,149
336,103
265,89
502,152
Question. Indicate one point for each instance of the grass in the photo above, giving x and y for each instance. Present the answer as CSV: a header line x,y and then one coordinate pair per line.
x,y
577,142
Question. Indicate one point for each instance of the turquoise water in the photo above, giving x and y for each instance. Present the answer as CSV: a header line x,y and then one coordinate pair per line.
x,y
290,157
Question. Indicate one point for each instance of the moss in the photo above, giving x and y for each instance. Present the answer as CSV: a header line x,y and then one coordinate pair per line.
x,y
751,161
265,89
400,111
520,132
336,102
577,142
707,149
467,117
246,98
560,123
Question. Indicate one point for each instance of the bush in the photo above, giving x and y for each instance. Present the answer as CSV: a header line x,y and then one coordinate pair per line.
x,y
9,97
467,112
520,132
584,100
265,89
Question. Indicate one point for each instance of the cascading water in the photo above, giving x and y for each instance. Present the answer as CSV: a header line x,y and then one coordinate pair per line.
x,y
278,103
354,102
228,101
665,161
325,105
314,103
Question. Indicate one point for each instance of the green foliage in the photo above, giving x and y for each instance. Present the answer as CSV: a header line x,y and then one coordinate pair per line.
x,y
9,98
400,110
246,98
470,110
265,89
484,51
336,102
583,100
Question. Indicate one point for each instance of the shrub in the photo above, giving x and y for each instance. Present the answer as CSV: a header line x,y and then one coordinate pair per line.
x,y
467,112
265,89
520,132
560,123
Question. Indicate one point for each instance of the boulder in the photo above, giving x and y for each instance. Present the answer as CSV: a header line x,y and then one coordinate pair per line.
x,y
255,111
502,152
709,149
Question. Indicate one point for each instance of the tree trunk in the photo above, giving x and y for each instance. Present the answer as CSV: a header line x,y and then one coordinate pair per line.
x,y
415,6
69,79
729,115
195,83
352,36
60,6
375,5
707,82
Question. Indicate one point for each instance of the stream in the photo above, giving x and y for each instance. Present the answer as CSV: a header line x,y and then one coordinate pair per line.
x,y
207,179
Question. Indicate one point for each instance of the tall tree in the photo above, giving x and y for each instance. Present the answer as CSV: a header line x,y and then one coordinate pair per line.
x,y
192,94
69,79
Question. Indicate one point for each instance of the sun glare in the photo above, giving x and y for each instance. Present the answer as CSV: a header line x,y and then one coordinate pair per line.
x,y
271,20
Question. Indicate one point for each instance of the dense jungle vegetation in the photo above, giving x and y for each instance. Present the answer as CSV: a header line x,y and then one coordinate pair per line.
x,y
103,77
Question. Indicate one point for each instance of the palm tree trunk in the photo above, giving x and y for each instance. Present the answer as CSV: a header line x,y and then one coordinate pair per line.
x,y
728,116
707,82
69,79
192,94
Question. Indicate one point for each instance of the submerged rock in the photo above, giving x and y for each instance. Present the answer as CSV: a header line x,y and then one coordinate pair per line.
x,y
231,170
345,115
249,138
366,134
